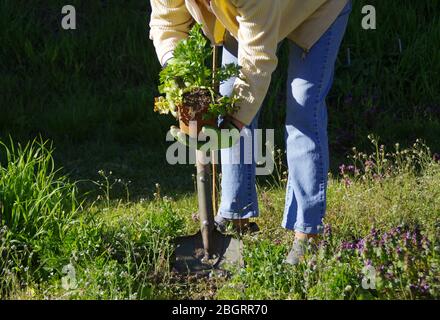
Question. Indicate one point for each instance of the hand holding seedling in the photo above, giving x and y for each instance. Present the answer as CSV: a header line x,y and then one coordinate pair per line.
x,y
189,88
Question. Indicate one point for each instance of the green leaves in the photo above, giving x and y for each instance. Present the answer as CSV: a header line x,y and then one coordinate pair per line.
x,y
190,69
226,72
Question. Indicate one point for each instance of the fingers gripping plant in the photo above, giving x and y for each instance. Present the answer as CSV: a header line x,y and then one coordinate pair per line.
x,y
188,83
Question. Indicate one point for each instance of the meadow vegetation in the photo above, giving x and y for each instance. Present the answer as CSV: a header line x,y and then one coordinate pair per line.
x,y
89,207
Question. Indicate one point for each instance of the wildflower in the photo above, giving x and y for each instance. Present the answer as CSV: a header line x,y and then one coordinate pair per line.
x,y
360,245
348,245
342,169
347,182
384,239
424,287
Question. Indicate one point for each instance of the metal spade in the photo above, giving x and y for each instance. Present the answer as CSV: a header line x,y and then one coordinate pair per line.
x,y
208,249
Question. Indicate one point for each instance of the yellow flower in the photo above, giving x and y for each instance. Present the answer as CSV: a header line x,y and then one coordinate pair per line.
x,y
161,105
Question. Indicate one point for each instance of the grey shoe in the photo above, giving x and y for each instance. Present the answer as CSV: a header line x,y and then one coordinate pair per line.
x,y
222,225
298,251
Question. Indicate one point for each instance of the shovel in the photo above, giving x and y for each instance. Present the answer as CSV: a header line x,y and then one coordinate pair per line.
x,y
208,249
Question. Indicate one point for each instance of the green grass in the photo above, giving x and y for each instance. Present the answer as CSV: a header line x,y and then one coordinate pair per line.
x,y
120,249
117,250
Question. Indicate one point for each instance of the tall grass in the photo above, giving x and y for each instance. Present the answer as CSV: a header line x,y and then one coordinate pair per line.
x,y
37,210
115,250
35,199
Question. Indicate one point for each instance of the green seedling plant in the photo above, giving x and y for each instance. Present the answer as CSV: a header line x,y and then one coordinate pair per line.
x,y
189,71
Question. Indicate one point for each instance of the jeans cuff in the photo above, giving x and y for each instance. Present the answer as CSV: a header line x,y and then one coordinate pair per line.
x,y
235,215
305,228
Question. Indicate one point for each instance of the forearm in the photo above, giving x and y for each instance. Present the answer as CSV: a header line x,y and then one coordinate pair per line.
x,y
170,22
257,44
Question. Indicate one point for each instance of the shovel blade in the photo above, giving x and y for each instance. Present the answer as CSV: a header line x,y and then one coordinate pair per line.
x,y
189,254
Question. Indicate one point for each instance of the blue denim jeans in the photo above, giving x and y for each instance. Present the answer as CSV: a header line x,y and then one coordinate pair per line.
x,y
310,77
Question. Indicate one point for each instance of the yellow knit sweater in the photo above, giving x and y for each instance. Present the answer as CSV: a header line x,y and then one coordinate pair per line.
x,y
258,26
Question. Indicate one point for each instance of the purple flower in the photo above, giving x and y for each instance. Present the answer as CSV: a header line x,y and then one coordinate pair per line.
x,y
347,182
414,239
347,245
342,168
424,288
360,245
436,157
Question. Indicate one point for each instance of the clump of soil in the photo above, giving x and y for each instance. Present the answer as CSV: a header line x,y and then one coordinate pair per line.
x,y
194,105
197,98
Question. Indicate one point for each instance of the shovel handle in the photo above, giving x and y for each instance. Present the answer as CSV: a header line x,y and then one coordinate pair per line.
x,y
206,197
216,52
204,200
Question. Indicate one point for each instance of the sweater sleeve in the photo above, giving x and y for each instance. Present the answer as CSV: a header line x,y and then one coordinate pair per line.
x,y
170,22
257,45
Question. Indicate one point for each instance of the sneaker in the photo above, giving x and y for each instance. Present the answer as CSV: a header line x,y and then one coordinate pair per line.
x,y
299,248
222,225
